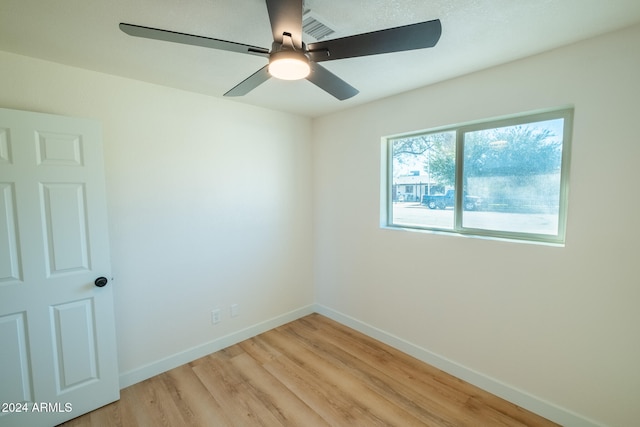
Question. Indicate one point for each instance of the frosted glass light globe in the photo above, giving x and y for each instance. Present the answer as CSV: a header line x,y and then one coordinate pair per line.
x,y
289,65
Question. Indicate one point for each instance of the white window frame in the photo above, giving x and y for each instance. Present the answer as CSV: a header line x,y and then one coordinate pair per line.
x,y
565,113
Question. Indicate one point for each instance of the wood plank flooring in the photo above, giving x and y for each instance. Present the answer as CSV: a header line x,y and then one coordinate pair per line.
x,y
310,372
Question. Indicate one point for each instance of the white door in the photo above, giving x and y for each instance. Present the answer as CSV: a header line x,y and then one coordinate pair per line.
x,y
57,333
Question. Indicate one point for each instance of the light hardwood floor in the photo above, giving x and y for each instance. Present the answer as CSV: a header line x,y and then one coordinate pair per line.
x,y
310,372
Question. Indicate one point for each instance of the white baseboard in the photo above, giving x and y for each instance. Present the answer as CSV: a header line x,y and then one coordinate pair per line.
x,y
152,369
521,398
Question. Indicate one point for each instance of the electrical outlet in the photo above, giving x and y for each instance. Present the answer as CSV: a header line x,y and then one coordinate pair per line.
x,y
234,310
215,316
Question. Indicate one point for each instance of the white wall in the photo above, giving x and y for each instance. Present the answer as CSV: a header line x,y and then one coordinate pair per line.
x,y
559,324
209,204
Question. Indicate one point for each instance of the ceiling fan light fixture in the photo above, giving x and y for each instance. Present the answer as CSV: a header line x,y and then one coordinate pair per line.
x,y
289,65
290,58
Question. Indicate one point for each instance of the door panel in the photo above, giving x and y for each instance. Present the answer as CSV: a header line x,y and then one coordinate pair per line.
x,y
10,255
74,344
65,222
56,328
5,155
59,149
14,355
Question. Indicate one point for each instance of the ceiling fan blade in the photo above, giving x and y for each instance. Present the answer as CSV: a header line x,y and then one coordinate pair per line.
x,y
408,37
251,82
286,17
330,83
190,39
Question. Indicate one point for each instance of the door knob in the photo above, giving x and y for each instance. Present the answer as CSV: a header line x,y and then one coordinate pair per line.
x,y
101,281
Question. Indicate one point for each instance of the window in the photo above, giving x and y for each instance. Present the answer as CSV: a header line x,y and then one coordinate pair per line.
x,y
502,178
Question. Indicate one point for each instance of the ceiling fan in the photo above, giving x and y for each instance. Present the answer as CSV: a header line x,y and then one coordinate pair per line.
x,y
291,59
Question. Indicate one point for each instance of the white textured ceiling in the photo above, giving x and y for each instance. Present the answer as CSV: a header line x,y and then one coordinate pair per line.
x,y
476,34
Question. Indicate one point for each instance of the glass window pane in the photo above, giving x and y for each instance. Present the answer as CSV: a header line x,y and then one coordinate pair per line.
x,y
423,180
511,178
